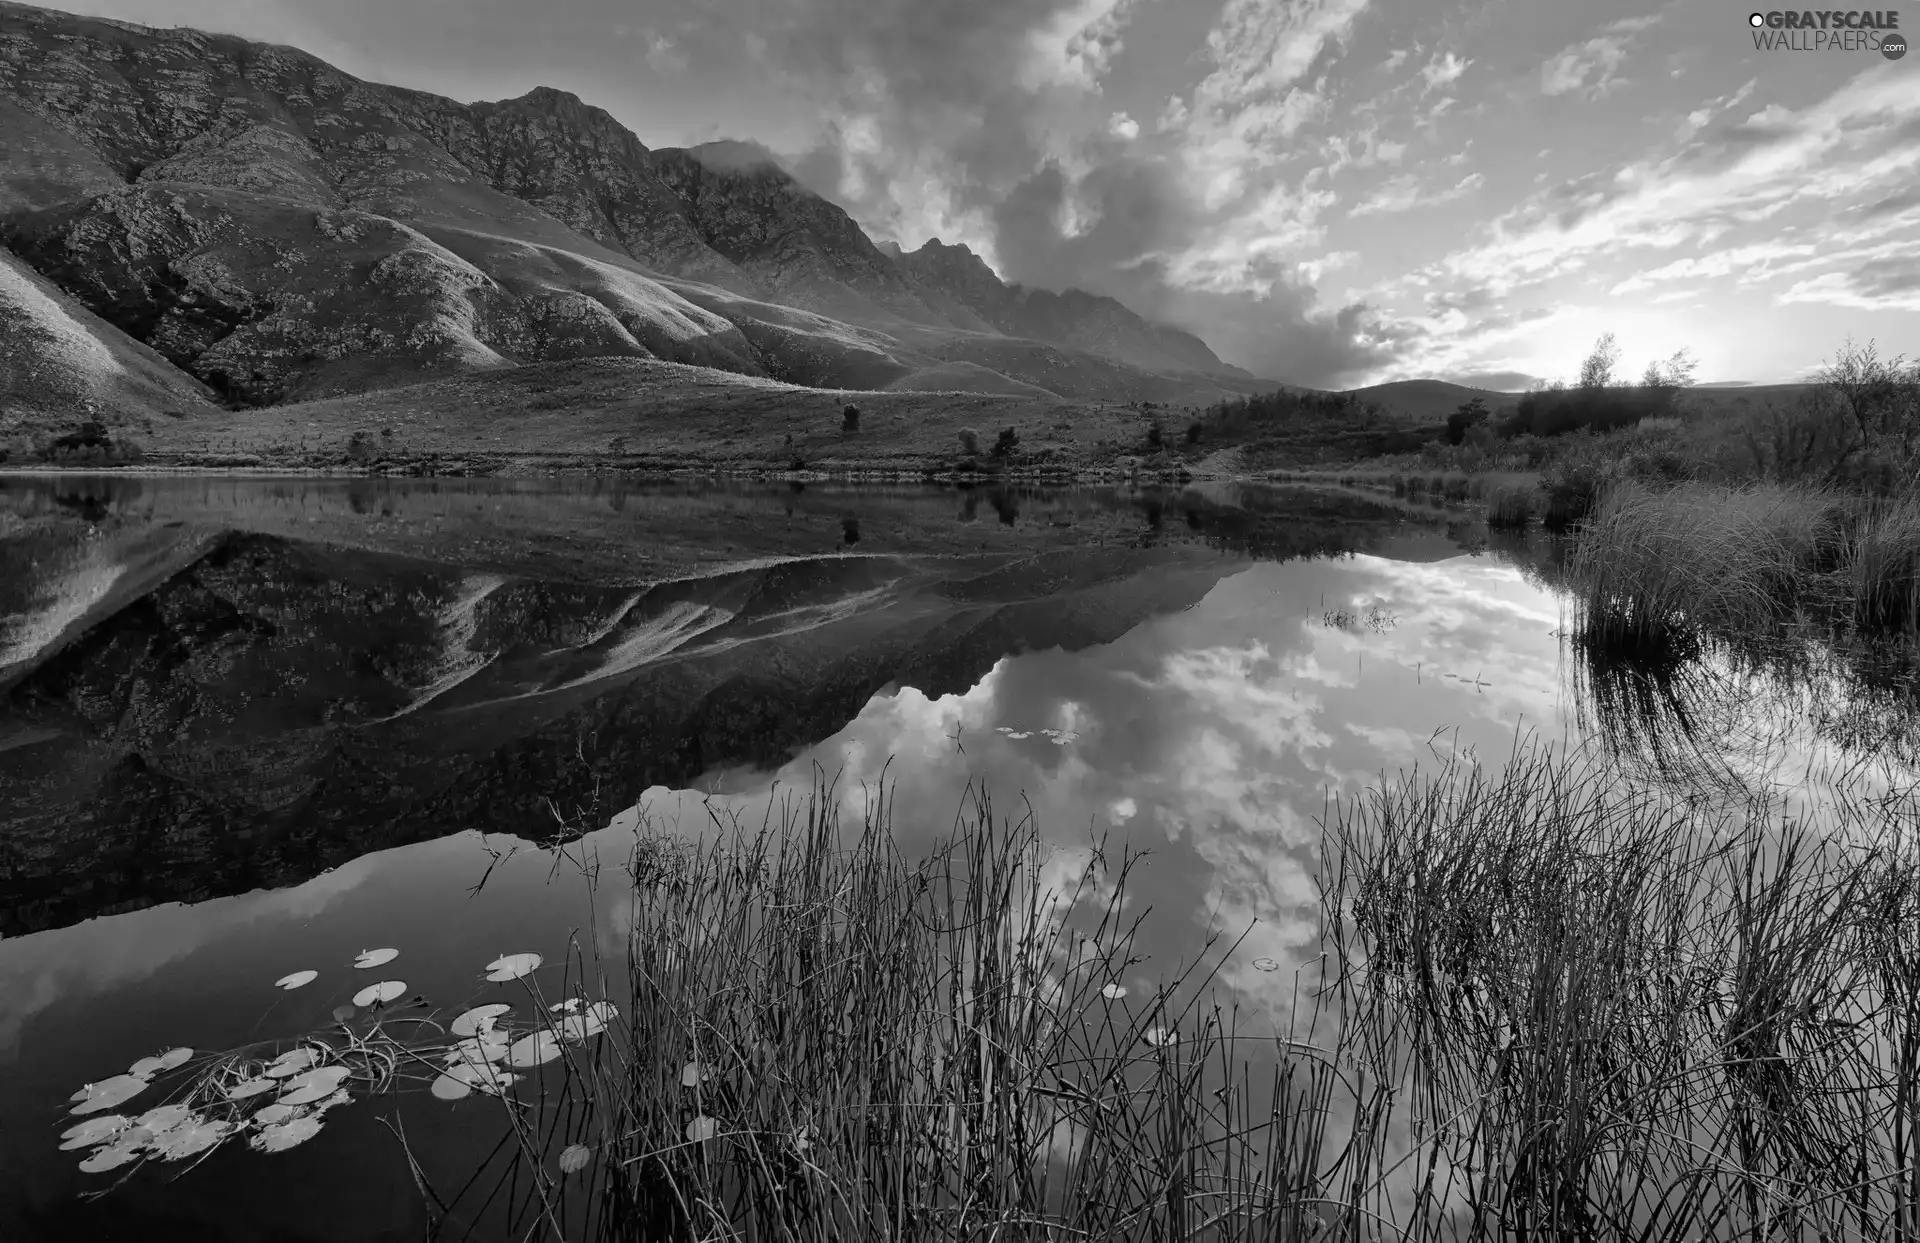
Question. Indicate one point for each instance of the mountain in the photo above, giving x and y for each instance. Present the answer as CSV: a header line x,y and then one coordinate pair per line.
x,y
272,229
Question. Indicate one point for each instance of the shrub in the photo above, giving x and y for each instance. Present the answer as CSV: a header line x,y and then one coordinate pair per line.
x,y
850,419
969,441
1156,435
1193,432
360,447
1006,442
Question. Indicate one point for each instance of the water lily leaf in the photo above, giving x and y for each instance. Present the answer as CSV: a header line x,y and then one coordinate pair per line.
x,y
478,1019
165,1118
574,1158
376,958
250,1087
1113,992
286,1135
172,1059
296,980
1158,1037
703,1127
293,1061
94,1131
380,994
107,1093
344,1012
277,1113
314,1085
190,1139
1265,964
112,1157
512,967
569,1005
803,1138
693,1073
342,1097
447,1088
482,1075
307,1095
488,1048
534,1050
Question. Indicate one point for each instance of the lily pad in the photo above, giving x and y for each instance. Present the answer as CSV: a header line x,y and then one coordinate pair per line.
x,y
376,958
344,1012
250,1087
380,994
482,1075
107,1093
94,1131
296,980
512,967
534,1050
574,1158
286,1135
342,1097
1113,992
112,1157
172,1059
294,1061
277,1113
569,1005
580,1026
693,1073
314,1085
478,1019
1158,1037
488,1048
165,1118
191,1139
703,1127
447,1088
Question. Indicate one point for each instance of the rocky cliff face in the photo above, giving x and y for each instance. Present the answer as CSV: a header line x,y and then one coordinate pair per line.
x,y
280,230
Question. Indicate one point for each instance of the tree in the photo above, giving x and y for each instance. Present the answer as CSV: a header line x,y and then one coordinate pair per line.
x,y
1597,370
1467,415
1874,392
850,419
1006,442
969,441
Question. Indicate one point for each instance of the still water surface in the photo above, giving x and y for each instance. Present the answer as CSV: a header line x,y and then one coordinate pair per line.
x,y
254,726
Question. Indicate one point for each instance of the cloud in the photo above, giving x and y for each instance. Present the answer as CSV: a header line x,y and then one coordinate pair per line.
x,y
1404,193
1591,67
1122,126
1443,71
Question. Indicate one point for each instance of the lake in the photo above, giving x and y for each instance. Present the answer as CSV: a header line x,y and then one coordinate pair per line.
x,y
257,726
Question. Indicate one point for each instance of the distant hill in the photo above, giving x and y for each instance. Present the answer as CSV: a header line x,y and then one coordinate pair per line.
x,y
259,225
1429,399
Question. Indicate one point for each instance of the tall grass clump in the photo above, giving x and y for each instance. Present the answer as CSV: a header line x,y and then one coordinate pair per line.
x,y
828,1042
1881,567
1655,568
1612,1013
1510,506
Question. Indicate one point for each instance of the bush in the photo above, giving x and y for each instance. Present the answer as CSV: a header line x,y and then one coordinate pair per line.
x,y
1468,415
1193,432
850,419
1006,442
969,441
1156,435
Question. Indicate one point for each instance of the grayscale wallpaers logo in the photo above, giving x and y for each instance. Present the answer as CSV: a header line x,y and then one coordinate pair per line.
x,y
1829,30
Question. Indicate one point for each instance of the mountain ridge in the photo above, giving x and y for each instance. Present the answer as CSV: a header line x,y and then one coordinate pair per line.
x,y
279,230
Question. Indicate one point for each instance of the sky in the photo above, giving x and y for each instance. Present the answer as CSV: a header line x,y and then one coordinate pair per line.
x,y
1330,192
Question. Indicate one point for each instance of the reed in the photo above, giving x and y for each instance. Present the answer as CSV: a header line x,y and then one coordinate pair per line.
x,y
1511,506
1550,1003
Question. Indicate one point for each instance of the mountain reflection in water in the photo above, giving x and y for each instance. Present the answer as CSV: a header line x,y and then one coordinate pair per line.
x,y
214,685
